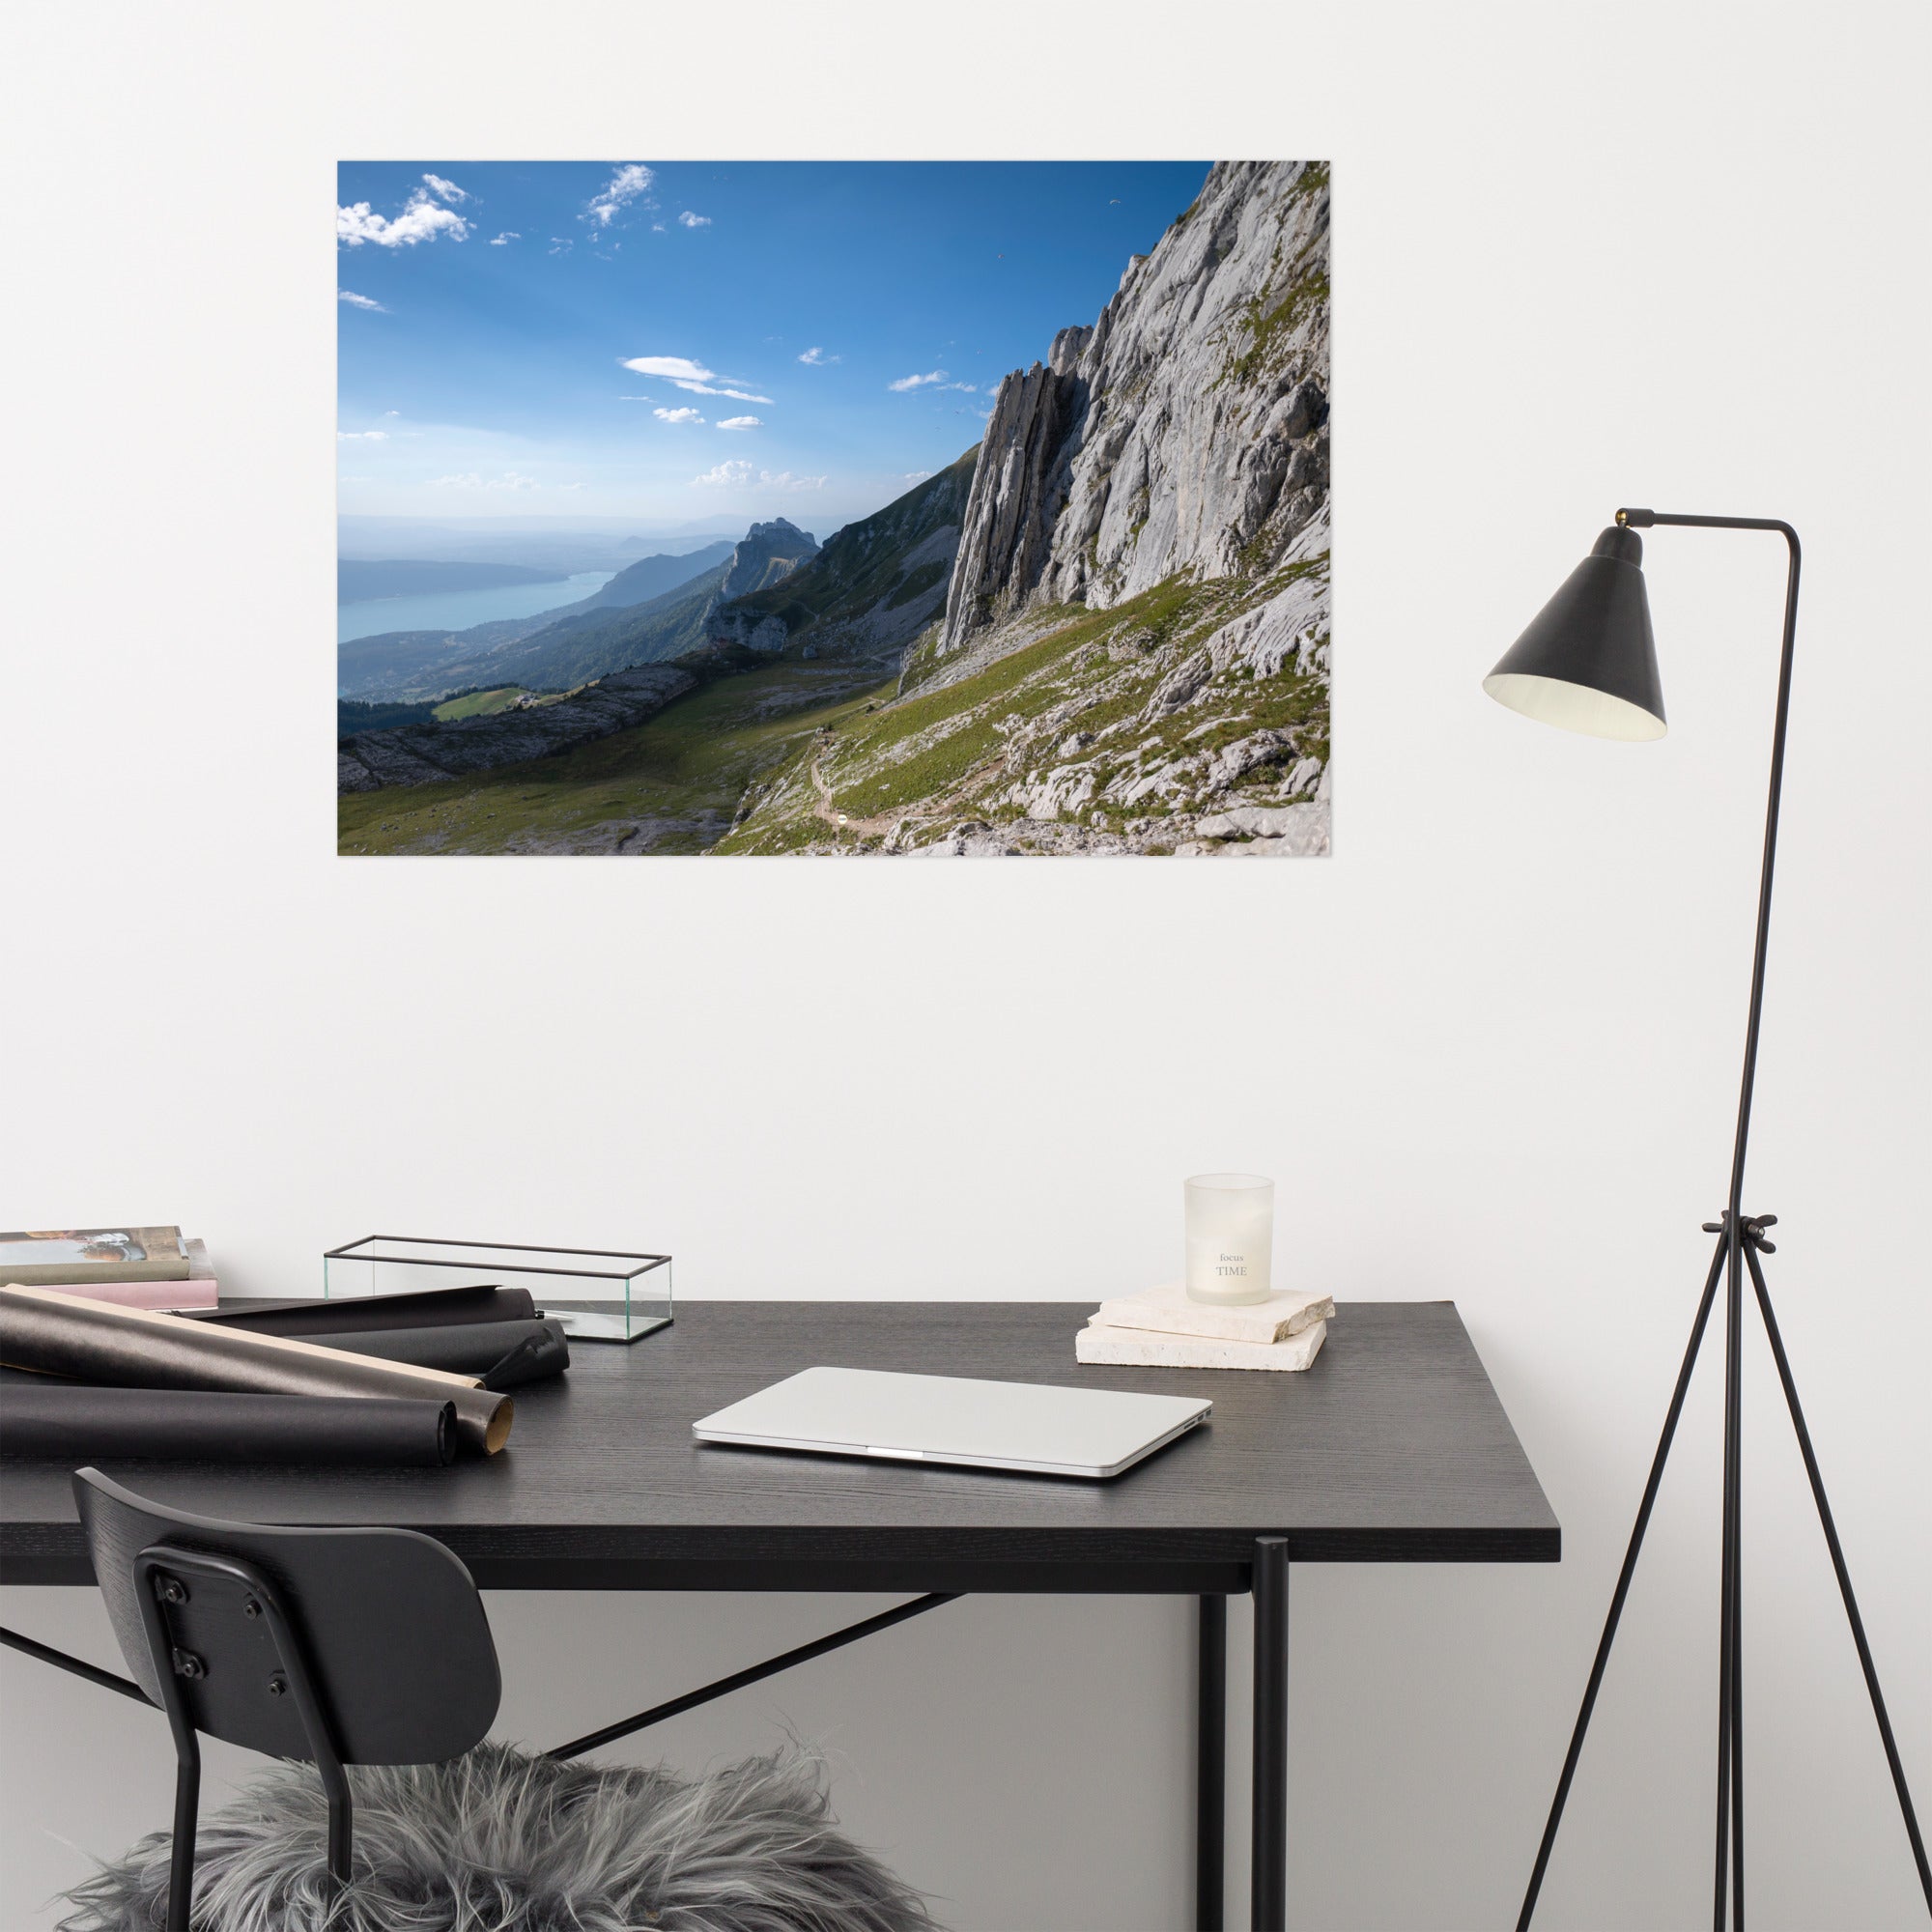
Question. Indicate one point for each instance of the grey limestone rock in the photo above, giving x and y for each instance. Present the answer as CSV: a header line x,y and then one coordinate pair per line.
x,y
1186,428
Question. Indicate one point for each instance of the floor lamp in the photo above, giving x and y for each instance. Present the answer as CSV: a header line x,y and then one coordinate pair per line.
x,y
1588,664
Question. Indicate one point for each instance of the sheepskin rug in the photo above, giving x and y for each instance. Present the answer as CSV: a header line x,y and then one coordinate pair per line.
x,y
497,1841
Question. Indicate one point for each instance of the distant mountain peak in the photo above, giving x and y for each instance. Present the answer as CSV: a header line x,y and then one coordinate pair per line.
x,y
779,530
767,552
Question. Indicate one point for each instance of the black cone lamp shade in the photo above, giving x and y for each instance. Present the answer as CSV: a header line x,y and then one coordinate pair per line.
x,y
1588,662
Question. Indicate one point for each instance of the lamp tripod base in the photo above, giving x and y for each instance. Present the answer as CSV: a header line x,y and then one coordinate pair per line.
x,y
1740,1242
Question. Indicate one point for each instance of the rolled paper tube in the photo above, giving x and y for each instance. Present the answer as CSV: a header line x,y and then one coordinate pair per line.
x,y
524,1363
69,1423
465,1347
363,1314
136,1347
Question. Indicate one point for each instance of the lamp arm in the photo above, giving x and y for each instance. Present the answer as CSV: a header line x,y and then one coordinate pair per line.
x,y
1643,520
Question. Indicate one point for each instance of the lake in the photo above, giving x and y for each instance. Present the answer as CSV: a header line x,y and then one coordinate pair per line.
x,y
458,610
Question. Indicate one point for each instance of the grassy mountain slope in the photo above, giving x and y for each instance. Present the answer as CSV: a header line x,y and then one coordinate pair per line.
x,y
587,643
1148,728
767,755
579,640
352,716
652,577
873,588
671,785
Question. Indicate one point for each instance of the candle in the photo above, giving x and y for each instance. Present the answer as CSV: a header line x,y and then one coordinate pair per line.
x,y
1230,1237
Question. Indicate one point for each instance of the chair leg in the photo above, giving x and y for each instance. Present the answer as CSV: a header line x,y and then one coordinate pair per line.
x,y
181,1862
341,1825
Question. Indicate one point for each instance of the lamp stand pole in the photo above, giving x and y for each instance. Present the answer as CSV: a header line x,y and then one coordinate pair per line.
x,y
1741,1241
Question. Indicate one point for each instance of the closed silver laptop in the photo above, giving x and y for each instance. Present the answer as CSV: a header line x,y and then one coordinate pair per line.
x,y
981,1425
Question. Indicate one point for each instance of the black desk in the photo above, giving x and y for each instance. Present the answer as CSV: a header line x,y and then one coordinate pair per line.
x,y
1392,1448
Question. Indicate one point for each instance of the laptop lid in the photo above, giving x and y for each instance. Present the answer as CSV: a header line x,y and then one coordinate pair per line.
x,y
1043,1429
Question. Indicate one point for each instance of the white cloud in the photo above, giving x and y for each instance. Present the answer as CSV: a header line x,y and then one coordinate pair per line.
x,y
559,244
631,182
682,372
510,479
674,368
362,436
914,476
741,422
918,382
816,358
504,239
355,301
965,388
677,415
447,190
423,219
690,220
737,473
637,399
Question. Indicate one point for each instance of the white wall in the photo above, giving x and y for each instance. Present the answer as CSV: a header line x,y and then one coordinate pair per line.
x,y
1583,257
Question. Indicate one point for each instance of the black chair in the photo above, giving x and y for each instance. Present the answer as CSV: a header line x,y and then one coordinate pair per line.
x,y
329,1646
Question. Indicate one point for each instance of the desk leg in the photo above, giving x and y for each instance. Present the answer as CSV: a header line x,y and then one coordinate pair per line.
x,y
1269,1877
1210,1767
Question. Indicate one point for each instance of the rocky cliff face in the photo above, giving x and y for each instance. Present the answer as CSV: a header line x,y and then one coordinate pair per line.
x,y
765,554
1134,653
1186,430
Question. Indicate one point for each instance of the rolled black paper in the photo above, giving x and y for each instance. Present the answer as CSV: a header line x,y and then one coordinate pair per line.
x,y
66,1422
524,1363
465,1347
61,1334
363,1314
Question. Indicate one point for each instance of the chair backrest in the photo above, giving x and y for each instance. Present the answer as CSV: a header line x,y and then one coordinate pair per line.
x,y
391,1632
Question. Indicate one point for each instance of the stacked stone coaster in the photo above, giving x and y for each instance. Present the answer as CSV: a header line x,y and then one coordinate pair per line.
x,y
1162,1328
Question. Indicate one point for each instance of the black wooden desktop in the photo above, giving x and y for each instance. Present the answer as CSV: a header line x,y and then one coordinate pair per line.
x,y
1392,1448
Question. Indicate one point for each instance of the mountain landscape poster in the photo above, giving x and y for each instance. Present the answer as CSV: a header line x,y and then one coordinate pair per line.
x,y
897,508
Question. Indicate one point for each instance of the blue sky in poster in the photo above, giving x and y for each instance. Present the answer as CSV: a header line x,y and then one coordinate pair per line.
x,y
699,343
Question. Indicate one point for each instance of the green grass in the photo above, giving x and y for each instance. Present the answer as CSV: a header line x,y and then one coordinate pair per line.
x,y
916,752
879,755
695,758
1269,326
916,582
478,703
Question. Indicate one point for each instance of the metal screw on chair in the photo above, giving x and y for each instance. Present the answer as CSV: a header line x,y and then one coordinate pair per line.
x,y
250,1607
279,1684
171,1589
187,1664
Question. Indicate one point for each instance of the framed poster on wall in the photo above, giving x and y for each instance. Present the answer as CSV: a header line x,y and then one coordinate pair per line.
x,y
816,509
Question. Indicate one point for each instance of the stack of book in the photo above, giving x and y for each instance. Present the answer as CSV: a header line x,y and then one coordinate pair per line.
x,y
1162,1328
131,1267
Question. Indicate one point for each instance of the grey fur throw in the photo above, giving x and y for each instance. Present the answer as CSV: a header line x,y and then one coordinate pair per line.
x,y
495,1842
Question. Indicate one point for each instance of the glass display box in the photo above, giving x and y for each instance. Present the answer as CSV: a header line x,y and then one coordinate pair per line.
x,y
598,1294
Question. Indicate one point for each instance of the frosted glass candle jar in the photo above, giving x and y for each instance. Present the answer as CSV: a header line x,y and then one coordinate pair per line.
x,y
1230,1237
